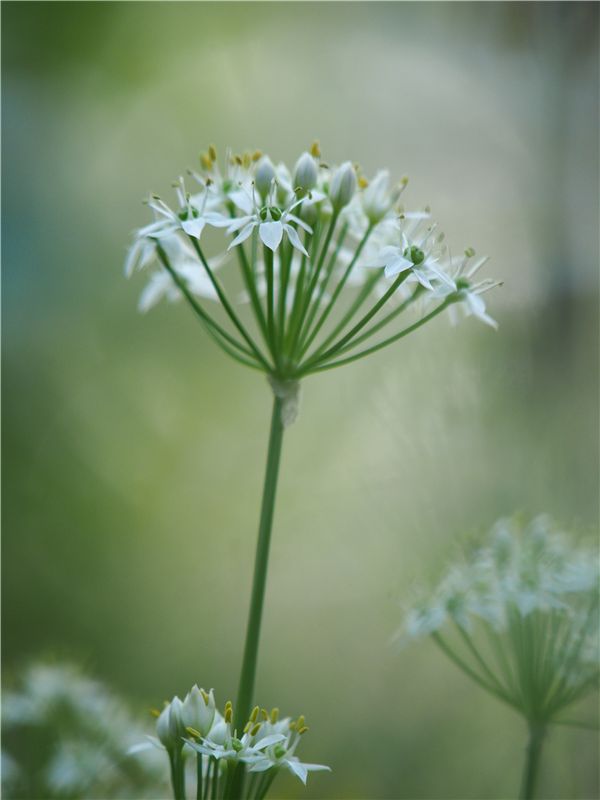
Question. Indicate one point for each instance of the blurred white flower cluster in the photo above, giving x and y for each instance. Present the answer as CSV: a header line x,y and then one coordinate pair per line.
x,y
520,615
65,736
309,241
265,747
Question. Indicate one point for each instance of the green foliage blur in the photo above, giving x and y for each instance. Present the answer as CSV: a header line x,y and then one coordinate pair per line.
x,y
133,449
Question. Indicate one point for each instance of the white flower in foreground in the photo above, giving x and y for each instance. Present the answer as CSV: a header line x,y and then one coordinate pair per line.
x,y
331,269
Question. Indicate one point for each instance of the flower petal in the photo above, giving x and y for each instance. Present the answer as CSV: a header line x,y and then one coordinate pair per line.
x,y
194,227
242,235
271,234
294,239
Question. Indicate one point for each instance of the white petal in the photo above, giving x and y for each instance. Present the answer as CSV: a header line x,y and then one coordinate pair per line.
x,y
396,266
242,235
422,278
261,766
298,769
242,200
217,220
236,224
300,222
294,239
271,234
157,286
268,740
194,227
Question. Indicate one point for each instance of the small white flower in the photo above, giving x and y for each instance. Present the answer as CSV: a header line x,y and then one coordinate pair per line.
x,y
272,223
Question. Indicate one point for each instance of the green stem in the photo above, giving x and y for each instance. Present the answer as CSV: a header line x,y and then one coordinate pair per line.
x,y
248,673
227,305
322,356
199,782
220,335
319,367
533,756
337,290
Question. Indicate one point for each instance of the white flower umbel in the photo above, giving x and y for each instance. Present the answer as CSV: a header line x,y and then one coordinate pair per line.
x,y
330,267
519,615
230,765
318,313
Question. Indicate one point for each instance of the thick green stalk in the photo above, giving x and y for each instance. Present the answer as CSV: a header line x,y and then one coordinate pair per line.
x,y
531,767
248,673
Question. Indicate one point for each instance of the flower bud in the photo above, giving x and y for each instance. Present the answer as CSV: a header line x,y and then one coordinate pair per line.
x,y
343,186
264,175
305,173
169,726
198,710
376,199
219,733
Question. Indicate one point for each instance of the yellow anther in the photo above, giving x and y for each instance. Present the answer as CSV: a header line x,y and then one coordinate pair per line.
x,y
205,696
292,726
300,721
302,730
315,150
238,161
212,152
228,711
256,155
274,715
404,181
205,161
247,160
254,714
256,729
194,732
247,727
264,714
155,712
363,182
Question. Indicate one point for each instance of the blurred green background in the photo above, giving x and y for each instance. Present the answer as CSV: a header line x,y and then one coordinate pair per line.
x,y
134,450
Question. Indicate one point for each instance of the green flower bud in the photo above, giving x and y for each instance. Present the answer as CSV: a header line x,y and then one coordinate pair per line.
x,y
305,173
343,186
264,176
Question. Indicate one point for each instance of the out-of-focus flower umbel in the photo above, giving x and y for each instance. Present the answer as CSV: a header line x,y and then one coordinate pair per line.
x,y
520,615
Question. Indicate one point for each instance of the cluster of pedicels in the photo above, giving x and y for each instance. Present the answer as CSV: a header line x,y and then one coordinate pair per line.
x,y
520,615
328,260
266,745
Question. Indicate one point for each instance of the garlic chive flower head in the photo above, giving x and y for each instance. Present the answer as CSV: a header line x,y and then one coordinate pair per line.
x,y
195,727
331,268
520,615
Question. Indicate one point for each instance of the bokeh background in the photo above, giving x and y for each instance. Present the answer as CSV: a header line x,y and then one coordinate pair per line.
x,y
133,450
